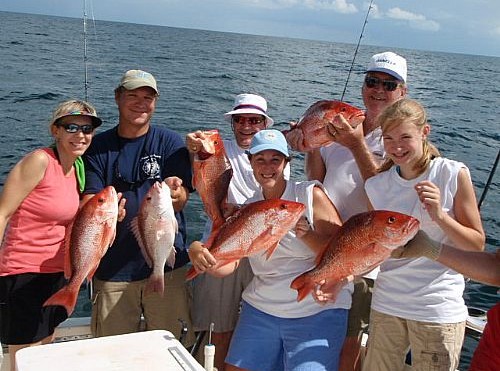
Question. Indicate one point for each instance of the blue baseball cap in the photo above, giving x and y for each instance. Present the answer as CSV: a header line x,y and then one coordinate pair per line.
x,y
268,139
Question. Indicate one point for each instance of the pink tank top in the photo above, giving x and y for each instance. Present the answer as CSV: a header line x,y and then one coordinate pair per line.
x,y
34,237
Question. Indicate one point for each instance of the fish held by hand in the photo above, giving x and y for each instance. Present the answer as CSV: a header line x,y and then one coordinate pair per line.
x,y
359,246
212,174
255,227
314,123
155,227
88,238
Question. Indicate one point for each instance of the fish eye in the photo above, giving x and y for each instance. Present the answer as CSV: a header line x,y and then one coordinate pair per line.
x,y
283,206
391,219
342,109
100,200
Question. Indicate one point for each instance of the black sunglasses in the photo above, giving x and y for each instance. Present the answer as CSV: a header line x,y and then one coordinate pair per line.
x,y
75,128
389,85
237,119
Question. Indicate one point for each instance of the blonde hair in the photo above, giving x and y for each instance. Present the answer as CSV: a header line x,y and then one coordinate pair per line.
x,y
69,106
407,111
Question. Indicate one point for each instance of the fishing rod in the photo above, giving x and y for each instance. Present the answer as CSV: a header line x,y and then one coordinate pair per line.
x,y
356,51
490,178
85,60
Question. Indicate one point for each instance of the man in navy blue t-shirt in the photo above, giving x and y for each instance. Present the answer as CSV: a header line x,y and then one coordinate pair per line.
x,y
131,157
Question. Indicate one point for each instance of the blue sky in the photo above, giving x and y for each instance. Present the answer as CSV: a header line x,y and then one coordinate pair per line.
x,y
459,26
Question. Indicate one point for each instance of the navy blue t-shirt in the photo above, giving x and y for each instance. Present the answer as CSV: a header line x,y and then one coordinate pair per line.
x,y
132,166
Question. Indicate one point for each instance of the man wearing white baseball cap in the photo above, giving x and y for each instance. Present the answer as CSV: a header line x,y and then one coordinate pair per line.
x,y
344,166
390,63
217,300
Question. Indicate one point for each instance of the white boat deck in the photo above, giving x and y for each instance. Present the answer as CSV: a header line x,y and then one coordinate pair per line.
x,y
76,330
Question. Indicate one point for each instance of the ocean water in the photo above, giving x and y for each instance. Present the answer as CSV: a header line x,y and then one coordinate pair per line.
x,y
200,72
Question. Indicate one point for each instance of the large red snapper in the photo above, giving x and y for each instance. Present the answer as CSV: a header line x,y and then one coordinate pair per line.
x,y
88,238
360,245
211,176
155,227
313,123
255,227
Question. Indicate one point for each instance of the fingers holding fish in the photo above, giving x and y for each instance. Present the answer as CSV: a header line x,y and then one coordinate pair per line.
x,y
295,138
200,257
122,212
178,193
349,134
327,292
194,141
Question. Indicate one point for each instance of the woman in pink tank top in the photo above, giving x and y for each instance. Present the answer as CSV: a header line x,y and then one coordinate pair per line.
x,y
38,201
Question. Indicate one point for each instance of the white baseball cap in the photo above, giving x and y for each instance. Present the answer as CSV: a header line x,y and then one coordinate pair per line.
x,y
389,62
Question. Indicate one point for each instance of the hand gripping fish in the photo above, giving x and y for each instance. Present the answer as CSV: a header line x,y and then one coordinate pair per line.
x,y
256,227
155,227
88,238
315,120
360,245
211,176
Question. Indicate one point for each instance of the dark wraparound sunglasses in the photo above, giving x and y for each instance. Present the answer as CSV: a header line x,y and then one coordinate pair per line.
x,y
389,85
237,119
75,128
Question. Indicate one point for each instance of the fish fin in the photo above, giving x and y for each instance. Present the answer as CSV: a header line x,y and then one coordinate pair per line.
x,y
171,258
65,297
270,251
191,273
134,227
67,251
303,286
155,284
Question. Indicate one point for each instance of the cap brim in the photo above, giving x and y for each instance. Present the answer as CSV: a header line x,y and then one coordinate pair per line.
x,y
96,121
267,146
269,121
131,85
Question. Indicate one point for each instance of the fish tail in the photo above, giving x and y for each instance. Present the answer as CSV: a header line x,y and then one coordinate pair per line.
x,y
156,283
65,297
302,285
191,273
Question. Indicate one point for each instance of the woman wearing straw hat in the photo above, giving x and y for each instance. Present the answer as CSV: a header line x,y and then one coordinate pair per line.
x,y
218,300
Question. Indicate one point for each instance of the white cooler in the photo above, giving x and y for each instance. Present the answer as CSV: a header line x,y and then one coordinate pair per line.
x,y
148,350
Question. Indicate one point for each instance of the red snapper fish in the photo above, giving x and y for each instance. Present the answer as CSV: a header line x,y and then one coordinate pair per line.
x,y
255,227
315,120
211,176
155,227
88,238
360,245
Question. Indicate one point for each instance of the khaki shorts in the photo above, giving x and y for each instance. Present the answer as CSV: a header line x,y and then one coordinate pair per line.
x,y
434,346
359,314
218,300
118,306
